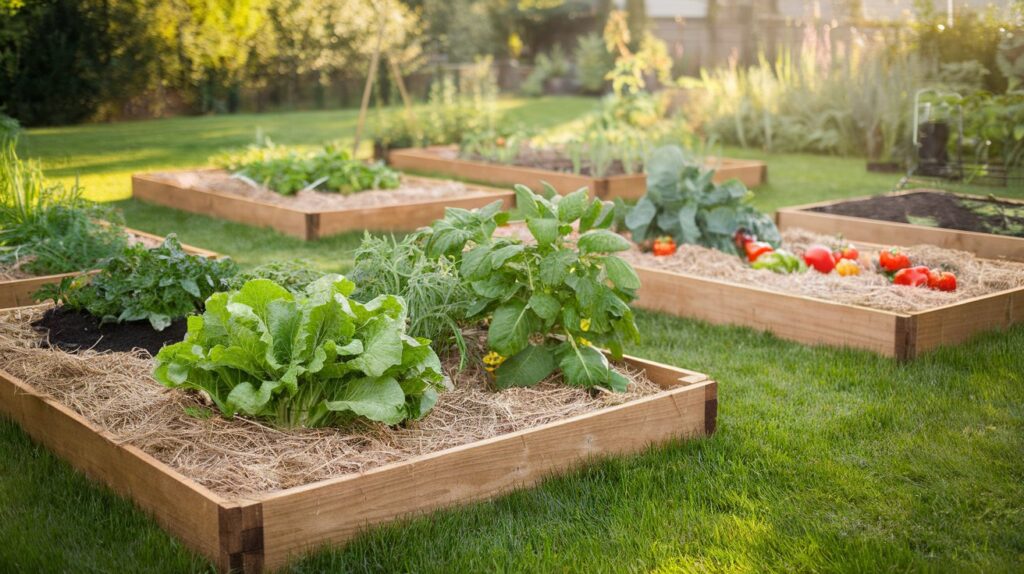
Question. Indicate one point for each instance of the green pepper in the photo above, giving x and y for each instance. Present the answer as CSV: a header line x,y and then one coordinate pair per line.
x,y
780,261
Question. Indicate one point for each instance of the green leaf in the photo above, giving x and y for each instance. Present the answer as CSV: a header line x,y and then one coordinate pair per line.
x,y
510,328
621,273
584,367
378,399
545,231
476,263
689,231
190,286
589,217
382,347
526,368
602,241
503,254
640,217
572,206
526,201
546,306
247,399
554,267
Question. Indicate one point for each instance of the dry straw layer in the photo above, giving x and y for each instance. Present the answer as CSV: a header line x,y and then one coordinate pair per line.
x,y
411,190
975,277
242,457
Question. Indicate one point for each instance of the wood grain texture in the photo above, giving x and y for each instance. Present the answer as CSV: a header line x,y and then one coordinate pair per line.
x,y
791,317
434,160
986,245
955,324
305,224
334,511
18,292
182,506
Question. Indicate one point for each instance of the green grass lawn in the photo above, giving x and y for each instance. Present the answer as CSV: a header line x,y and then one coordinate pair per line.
x,y
824,460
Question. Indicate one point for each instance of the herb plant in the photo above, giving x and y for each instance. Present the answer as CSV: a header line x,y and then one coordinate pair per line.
x,y
436,296
312,359
550,301
159,285
288,171
46,228
294,276
683,202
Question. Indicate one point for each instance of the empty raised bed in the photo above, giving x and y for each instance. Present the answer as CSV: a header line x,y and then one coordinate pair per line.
x,y
445,161
860,312
311,214
988,227
319,490
17,287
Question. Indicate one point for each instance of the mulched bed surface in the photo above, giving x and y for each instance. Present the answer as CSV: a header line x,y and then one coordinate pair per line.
x,y
75,330
946,209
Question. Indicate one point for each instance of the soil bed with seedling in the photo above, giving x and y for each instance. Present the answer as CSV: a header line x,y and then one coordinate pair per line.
x,y
863,311
310,214
987,226
250,496
534,169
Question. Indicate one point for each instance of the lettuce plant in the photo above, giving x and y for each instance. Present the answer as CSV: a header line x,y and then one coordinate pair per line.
x,y
683,202
550,302
313,359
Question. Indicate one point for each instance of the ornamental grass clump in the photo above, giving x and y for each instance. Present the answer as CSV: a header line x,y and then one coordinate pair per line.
x,y
312,359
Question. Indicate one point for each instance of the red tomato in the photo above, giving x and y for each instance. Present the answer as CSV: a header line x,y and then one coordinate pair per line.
x,y
912,276
820,258
893,260
664,246
756,249
849,252
946,282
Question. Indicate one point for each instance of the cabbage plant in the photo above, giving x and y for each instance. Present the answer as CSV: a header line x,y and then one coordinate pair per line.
x,y
311,359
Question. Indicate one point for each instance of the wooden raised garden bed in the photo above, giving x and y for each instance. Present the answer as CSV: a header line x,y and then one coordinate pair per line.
x,y
18,292
263,532
827,217
444,161
193,191
816,321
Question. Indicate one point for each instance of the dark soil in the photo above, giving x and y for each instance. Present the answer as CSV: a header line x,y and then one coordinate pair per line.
x,y
938,209
76,330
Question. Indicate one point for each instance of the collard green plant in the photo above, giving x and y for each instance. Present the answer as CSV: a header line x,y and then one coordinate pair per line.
x,y
683,202
158,285
46,228
548,302
305,360
288,171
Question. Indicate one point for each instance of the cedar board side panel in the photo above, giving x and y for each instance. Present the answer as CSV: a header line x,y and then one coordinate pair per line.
x,y
959,322
795,318
240,210
334,512
184,508
985,245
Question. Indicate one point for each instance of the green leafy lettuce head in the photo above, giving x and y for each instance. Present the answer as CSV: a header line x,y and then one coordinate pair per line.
x,y
311,359
551,301
684,202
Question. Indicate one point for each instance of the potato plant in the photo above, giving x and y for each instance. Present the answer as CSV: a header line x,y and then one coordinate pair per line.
x,y
550,303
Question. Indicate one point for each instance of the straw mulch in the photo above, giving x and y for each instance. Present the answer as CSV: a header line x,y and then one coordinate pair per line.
x,y
975,277
242,457
411,190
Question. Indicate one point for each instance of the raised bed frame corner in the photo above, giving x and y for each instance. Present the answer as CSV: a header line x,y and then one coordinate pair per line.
x,y
308,224
265,532
903,336
985,245
18,292
429,160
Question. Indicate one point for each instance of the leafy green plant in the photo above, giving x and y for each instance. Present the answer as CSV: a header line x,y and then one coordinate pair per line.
x,y
159,285
294,276
593,62
305,360
288,171
548,302
683,202
546,67
46,228
437,298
